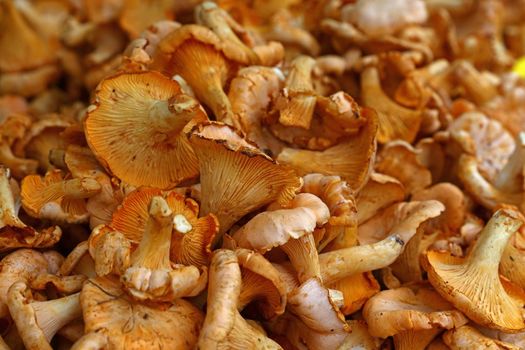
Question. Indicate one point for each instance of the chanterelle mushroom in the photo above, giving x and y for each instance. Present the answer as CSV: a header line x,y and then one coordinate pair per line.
x,y
116,321
223,326
135,128
236,177
151,275
472,284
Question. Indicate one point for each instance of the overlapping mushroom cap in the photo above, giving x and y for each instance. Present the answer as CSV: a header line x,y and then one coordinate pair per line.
x,y
138,119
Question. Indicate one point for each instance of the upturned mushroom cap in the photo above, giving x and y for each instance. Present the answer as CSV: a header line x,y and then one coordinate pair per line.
x,y
467,337
56,198
38,321
251,91
223,326
124,323
488,303
395,121
352,159
191,236
339,198
204,61
262,283
391,312
137,120
13,232
151,275
296,102
247,178
291,230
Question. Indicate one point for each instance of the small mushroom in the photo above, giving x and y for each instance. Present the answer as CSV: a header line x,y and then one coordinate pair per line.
x,y
13,232
38,321
216,63
404,310
261,283
313,321
156,103
467,337
56,198
291,230
150,275
488,303
224,326
352,159
191,236
247,177
395,121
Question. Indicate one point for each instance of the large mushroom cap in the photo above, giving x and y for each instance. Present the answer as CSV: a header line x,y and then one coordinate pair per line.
x,y
127,324
236,177
472,284
135,129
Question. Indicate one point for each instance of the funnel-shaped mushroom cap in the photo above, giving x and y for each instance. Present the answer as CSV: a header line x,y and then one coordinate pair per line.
x,y
379,192
262,283
107,310
22,47
226,28
236,177
223,326
38,321
352,159
191,237
472,284
151,275
204,61
399,159
467,337
395,121
513,259
13,232
135,129
397,310
55,198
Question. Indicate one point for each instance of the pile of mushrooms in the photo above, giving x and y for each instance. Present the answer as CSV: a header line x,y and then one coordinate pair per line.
x,y
235,174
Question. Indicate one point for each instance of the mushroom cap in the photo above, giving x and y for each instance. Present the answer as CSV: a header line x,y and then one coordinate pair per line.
x,y
399,159
191,236
136,125
131,325
267,287
403,309
488,303
380,192
247,178
270,229
56,198
136,16
395,121
467,337
352,159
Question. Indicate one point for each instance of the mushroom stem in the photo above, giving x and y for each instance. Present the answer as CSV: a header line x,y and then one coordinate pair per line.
x,y
341,263
494,238
19,166
52,315
153,251
302,253
7,202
